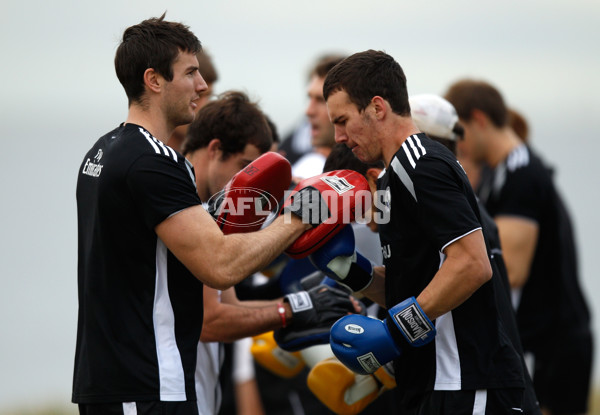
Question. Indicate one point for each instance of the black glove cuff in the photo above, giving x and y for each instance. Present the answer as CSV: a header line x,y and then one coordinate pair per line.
x,y
357,279
299,301
308,204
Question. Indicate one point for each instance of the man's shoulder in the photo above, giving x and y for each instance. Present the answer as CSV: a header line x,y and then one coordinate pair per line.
x,y
140,142
420,158
410,152
129,148
419,151
524,165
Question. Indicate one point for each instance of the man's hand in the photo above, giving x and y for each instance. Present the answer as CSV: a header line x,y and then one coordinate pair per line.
x,y
313,313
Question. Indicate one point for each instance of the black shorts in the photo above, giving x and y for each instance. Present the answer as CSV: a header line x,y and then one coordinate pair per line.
x,y
470,402
562,374
139,408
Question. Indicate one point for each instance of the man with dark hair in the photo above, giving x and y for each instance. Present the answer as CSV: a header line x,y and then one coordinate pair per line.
x,y
146,244
436,117
229,132
437,263
538,246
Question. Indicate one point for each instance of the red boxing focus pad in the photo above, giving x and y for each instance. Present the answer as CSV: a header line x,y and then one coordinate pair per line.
x,y
328,201
252,194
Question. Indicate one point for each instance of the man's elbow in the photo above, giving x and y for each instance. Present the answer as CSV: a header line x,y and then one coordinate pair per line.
x,y
219,331
484,271
218,278
215,326
479,272
211,336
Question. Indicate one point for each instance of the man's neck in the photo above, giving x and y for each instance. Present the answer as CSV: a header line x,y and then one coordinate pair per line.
x,y
501,143
395,136
152,121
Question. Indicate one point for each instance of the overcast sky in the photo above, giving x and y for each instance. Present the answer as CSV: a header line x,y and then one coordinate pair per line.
x,y
60,94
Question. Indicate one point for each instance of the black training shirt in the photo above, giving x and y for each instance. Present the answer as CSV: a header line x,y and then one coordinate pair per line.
x,y
140,309
522,186
432,205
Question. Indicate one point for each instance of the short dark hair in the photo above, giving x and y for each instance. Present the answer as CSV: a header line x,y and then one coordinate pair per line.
x,y
234,120
342,158
154,43
324,64
467,95
367,74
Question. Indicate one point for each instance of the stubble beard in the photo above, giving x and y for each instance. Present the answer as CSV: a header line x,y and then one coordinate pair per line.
x,y
176,115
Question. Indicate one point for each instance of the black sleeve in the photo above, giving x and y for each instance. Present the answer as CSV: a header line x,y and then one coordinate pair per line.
x,y
523,195
160,187
444,202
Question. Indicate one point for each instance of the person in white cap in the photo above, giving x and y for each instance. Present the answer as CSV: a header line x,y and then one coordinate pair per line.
x,y
437,118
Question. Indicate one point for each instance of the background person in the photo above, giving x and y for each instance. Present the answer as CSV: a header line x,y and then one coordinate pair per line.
x,y
227,135
307,161
437,118
538,246
473,168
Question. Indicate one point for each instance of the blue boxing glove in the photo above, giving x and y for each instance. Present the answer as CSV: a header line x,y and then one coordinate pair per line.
x,y
408,323
339,260
364,344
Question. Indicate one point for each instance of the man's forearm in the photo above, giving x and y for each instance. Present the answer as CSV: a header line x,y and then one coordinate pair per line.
x,y
227,323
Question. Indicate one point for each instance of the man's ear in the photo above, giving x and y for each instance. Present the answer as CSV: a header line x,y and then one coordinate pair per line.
x,y
379,107
153,80
214,148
